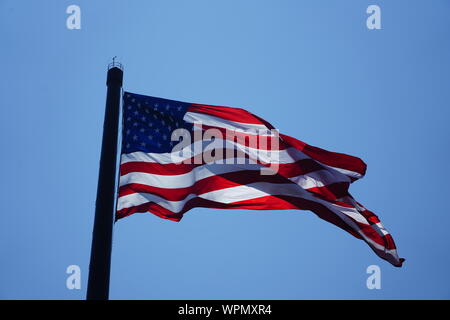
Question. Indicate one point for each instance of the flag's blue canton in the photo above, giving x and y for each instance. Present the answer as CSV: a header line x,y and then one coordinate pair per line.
x,y
148,123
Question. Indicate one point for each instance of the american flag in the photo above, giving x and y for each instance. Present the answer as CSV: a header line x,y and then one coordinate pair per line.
x,y
177,156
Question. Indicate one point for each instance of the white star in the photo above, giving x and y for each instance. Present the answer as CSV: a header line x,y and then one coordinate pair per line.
x,y
135,124
136,113
165,137
142,130
167,107
150,137
179,108
135,137
157,130
143,144
128,131
143,118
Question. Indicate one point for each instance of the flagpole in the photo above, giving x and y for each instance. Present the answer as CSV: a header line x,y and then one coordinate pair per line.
x,y
100,264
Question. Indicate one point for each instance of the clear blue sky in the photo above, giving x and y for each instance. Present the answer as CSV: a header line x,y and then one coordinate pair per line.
x,y
311,68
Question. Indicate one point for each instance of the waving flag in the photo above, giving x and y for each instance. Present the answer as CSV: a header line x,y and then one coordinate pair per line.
x,y
177,156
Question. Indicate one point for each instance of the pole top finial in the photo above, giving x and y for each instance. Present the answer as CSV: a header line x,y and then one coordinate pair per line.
x,y
115,64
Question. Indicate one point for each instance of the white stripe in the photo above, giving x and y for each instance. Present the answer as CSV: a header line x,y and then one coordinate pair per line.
x,y
228,195
186,179
318,178
289,155
238,193
194,117
256,190
344,171
213,121
253,191
306,181
285,156
380,229
136,199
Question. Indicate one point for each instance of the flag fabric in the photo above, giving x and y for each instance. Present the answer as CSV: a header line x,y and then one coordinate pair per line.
x,y
176,156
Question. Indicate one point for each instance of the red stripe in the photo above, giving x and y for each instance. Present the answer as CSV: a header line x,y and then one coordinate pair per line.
x,y
370,216
156,168
373,235
213,183
331,192
287,170
263,203
333,159
217,182
271,202
227,113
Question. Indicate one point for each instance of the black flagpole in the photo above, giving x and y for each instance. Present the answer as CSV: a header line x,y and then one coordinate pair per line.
x,y
100,265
